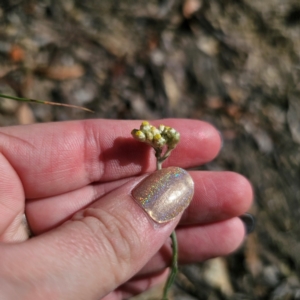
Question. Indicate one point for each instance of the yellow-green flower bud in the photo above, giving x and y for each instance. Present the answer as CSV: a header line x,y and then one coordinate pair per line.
x,y
149,136
161,128
154,130
169,132
158,140
145,126
172,131
173,141
138,135
156,137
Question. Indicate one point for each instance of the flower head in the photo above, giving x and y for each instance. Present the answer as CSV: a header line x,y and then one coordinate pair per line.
x,y
156,137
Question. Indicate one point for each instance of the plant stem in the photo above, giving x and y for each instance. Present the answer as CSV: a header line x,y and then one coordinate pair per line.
x,y
174,266
159,159
158,165
43,102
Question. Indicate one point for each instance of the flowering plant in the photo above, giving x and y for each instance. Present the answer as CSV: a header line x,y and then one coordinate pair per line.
x,y
160,138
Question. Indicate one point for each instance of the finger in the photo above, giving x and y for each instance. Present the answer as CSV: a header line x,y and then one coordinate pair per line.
x,y
55,158
199,243
218,196
47,213
137,286
11,204
102,246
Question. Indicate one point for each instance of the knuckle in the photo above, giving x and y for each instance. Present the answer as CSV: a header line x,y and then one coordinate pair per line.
x,y
113,236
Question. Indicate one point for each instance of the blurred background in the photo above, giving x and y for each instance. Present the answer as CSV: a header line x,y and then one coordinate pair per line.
x,y
233,63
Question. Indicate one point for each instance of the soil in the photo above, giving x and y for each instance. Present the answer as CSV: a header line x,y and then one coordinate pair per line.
x,y
233,63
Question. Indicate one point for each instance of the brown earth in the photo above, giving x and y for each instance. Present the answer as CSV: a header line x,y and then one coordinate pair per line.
x,y
234,63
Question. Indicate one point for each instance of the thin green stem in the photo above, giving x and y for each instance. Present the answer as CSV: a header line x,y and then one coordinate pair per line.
x,y
174,267
158,165
43,102
168,152
161,158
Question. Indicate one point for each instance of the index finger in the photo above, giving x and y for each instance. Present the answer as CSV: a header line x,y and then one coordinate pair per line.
x,y
55,158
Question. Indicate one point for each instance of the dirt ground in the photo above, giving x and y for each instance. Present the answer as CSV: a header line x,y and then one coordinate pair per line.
x,y
234,63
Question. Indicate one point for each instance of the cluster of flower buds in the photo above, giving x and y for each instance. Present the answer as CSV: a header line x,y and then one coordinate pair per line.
x,y
156,137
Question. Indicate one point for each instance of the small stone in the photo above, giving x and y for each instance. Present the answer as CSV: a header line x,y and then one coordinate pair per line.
x,y
190,7
25,115
217,275
8,106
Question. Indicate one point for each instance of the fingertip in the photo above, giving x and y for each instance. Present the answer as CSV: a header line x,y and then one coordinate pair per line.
x,y
203,140
199,243
218,196
228,194
223,238
200,142
242,191
211,141
235,236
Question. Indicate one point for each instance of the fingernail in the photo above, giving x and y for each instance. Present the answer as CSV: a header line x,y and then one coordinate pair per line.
x,y
165,193
248,221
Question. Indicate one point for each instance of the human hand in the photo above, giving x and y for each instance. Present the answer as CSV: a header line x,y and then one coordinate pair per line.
x,y
91,240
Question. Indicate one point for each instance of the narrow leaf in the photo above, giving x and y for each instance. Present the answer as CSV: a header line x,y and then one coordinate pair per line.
x,y
44,102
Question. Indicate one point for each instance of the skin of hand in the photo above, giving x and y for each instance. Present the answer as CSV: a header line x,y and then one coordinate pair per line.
x,y
91,239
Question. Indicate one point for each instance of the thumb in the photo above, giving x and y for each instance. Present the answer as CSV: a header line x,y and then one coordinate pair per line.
x,y
102,246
